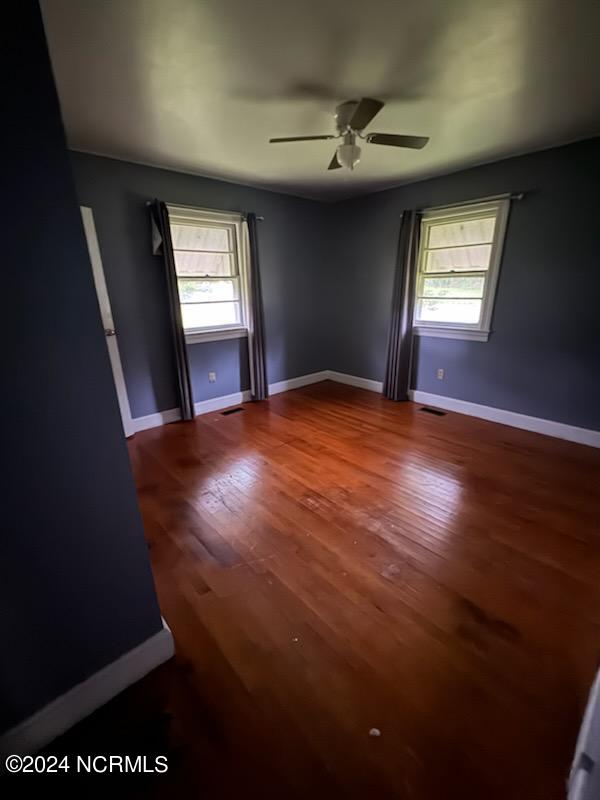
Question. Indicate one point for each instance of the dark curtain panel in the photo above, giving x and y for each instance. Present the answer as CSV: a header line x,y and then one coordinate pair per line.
x,y
163,246
256,340
400,343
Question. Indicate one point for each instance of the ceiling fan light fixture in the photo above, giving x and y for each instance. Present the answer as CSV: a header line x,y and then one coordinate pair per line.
x,y
348,155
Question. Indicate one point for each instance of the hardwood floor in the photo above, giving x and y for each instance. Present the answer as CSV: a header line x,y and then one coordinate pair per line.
x,y
331,562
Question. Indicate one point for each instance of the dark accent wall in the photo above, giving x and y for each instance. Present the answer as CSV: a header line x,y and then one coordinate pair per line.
x,y
76,590
291,245
543,356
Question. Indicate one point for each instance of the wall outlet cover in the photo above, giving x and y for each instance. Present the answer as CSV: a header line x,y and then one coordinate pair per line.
x,y
440,374
212,377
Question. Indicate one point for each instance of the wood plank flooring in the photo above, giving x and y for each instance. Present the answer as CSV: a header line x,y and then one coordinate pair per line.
x,y
331,562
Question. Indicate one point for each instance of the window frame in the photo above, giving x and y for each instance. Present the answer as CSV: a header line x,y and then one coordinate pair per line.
x,y
477,331
233,222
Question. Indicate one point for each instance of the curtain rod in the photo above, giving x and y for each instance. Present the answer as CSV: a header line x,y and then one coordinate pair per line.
x,y
489,199
243,214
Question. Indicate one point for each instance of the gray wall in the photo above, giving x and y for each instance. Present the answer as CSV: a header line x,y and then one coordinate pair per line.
x,y
328,274
543,356
76,590
291,242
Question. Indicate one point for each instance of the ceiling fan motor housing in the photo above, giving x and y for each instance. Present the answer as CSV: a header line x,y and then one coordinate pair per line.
x,y
343,115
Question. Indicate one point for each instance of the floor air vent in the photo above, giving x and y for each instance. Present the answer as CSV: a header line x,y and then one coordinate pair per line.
x,y
433,411
231,411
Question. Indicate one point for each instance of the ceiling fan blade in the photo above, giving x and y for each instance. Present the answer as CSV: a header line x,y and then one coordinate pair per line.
x,y
334,163
364,112
301,138
395,140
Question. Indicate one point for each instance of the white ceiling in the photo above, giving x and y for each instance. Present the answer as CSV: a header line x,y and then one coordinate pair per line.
x,y
201,85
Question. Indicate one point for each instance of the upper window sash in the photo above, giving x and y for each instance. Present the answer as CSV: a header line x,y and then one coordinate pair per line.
x,y
231,253
199,223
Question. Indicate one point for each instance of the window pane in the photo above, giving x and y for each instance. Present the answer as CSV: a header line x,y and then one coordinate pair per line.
x,y
453,287
466,311
203,263
463,259
194,290
469,231
197,237
207,315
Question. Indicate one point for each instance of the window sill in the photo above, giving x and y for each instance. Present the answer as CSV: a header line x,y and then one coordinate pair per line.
x,y
453,333
196,337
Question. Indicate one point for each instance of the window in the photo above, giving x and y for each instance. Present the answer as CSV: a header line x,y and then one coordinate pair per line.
x,y
459,259
211,273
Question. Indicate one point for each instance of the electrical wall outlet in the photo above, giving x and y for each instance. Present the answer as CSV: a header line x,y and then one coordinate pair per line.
x,y
212,377
440,374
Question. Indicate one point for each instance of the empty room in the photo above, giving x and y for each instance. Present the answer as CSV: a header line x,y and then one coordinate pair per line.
x,y
302,406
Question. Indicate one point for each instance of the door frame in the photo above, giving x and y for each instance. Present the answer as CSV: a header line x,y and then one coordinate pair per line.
x,y
112,345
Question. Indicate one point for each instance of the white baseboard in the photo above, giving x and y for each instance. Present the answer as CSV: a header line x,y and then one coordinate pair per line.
x,y
154,420
353,380
202,407
217,403
325,375
297,383
84,698
546,426
226,400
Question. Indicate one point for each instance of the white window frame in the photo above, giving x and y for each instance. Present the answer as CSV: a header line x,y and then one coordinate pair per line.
x,y
481,330
211,218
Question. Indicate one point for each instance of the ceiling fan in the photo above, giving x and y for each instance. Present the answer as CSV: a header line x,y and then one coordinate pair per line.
x,y
351,118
